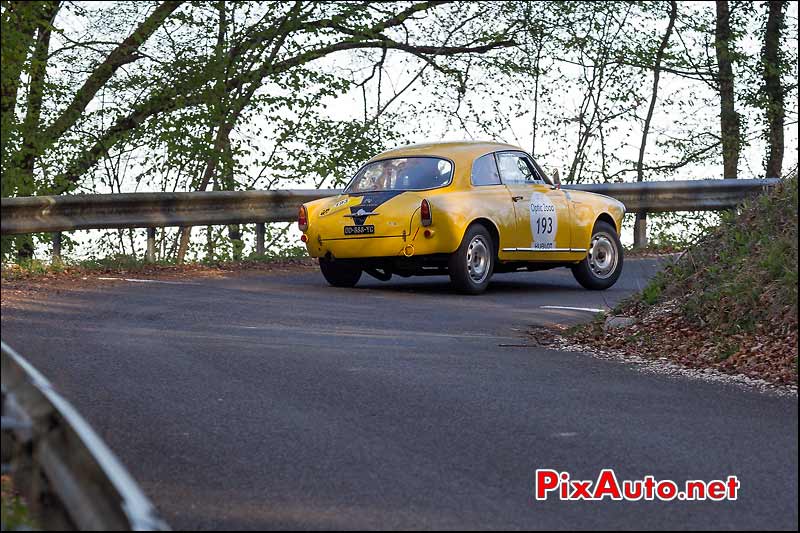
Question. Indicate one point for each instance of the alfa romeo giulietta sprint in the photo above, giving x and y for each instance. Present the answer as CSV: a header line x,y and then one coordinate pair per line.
x,y
466,209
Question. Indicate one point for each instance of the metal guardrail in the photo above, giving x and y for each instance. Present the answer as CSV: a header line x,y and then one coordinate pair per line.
x,y
151,210
673,196
66,474
38,214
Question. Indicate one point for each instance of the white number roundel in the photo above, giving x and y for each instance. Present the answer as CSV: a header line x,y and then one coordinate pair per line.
x,y
544,222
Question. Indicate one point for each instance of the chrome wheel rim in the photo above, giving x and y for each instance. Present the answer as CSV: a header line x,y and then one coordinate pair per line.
x,y
478,259
603,256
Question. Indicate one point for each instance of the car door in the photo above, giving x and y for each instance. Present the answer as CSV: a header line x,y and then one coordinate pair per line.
x,y
493,200
543,221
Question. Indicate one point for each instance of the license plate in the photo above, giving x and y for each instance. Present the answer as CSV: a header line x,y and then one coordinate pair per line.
x,y
359,230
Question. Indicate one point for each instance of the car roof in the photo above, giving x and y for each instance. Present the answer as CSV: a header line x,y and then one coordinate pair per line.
x,y
450,150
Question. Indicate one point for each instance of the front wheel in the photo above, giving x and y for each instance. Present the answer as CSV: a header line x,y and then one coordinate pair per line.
x,y
471,266
339,274
602,266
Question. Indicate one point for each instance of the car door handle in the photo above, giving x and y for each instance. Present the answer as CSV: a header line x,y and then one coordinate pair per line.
x,y
517,198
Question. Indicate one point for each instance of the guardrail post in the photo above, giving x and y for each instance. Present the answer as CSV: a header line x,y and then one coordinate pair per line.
x,y
640,231
57,246
261,229
237,246
151,245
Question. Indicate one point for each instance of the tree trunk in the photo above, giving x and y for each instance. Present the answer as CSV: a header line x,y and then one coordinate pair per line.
x,y
537,73
640,235
209,243
773,89
228,113
222,140
19,24
33,112
24,161
729,118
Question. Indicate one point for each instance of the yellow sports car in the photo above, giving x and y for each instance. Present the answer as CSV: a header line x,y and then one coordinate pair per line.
x,y
467,209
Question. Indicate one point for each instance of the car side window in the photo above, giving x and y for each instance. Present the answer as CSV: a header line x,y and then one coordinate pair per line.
x,y
540,173
484,171
516,169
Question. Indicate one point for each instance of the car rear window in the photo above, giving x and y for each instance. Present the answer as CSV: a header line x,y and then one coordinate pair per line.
x,y
402,174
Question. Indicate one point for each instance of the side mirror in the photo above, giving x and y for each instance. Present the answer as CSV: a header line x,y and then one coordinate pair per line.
x,y
556,179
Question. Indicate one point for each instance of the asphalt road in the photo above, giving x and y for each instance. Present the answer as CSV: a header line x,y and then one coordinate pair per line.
x,y
274,401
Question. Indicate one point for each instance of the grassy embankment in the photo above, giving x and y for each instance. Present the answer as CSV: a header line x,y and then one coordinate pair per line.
x,y
729,302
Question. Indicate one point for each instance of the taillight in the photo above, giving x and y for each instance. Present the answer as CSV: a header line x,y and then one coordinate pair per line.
x,y
302,218
425,213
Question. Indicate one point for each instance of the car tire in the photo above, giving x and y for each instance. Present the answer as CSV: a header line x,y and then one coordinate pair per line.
x,y
339,274
471,266
602,266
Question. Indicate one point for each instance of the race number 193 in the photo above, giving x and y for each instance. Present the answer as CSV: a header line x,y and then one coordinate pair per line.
x,y
544,225
544,222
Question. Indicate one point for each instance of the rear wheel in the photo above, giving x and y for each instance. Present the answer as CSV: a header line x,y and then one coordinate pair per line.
x,y
471,266
602,266
339,274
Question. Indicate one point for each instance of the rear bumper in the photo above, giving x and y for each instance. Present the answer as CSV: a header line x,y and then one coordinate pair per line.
x,y
376,246
356,247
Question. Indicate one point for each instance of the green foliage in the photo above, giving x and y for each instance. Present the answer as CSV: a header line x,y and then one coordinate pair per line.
x,y
222,95
13,510
112,262
680,230
126,264
651,294
38,267
259,95
743,271
289,252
